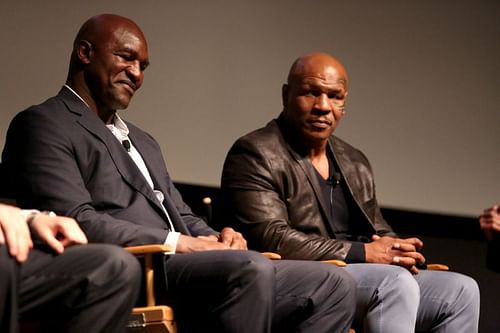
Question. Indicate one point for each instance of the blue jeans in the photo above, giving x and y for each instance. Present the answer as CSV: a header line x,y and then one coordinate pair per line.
x,y
391,299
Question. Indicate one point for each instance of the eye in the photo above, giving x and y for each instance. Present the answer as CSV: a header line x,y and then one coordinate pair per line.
x,y
335,96
127,57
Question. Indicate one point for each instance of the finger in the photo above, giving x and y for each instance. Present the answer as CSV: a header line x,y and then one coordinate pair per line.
x,y
414,270
69,233
239,243
405,262
48,237
226,238
18,241
416,256
415,242
405,247
55,244
227,235
375,237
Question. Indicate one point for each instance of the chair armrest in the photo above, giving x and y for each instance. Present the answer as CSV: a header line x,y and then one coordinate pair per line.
x,y
147,251
437,267
150,248
271,255
337,262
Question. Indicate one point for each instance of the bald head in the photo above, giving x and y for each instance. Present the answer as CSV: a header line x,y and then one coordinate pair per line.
x,y
100,27
99,30
107,65
318,63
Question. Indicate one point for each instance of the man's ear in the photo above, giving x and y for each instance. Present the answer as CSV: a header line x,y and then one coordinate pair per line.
x,y
284,95
85,51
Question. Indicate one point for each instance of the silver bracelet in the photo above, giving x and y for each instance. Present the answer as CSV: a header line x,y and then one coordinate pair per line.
x,y
31,216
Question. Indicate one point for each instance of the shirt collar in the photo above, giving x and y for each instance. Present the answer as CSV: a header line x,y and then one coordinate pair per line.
x,y
74,92
118,127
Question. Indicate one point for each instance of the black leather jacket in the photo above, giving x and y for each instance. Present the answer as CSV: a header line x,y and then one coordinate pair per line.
x,y
273,196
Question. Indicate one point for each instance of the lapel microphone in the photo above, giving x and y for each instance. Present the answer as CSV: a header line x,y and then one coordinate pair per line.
x,y
334,179
126,145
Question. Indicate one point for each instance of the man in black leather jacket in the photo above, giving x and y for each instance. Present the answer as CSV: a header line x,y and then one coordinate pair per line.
x,y
296,189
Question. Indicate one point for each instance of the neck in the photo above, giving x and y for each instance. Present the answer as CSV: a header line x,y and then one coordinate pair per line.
x,y
316,150
319,160
83,91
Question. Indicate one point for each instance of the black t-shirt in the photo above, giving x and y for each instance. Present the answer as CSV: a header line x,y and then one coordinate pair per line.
x,y
335,194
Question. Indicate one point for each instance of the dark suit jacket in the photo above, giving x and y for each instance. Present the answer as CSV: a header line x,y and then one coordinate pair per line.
x,y
60,156
273,194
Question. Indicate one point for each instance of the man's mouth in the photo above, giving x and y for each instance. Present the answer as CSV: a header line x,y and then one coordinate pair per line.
x,y
320,123
129,85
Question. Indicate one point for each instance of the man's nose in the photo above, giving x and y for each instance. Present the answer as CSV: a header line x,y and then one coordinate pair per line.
x,y
322,103
135,72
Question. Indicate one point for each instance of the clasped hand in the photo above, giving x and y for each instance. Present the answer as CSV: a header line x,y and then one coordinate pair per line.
x,y
396,251
228,239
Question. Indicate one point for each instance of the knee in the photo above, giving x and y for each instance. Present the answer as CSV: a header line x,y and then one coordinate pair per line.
x,y
256,266
344,286
123,267
401,282
466,288
342,282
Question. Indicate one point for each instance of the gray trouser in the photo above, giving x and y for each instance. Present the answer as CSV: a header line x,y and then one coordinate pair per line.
x,y
392,300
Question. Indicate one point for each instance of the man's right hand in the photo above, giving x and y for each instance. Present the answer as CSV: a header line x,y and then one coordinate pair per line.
x,y
58,232
15,232
188,244
396,251
489,221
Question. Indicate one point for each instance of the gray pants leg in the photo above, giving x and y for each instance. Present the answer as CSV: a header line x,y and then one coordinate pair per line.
x,y
392,300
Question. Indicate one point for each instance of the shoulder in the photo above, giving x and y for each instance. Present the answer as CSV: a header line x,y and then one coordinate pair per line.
x,y
266,138
346,151
40,114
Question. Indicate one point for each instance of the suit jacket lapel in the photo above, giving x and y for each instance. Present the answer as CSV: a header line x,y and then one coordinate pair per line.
x,y
124,164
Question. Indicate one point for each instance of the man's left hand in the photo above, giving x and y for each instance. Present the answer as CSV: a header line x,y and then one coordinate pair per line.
x,y
233,238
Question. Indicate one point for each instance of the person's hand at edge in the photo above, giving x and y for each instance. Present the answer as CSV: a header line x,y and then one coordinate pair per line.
x,y
489,221
14,232
57,231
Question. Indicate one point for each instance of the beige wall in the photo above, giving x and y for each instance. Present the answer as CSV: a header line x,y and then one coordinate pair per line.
x,y
424,90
